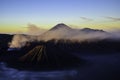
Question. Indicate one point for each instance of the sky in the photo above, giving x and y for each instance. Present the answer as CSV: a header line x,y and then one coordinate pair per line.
x,y
15,15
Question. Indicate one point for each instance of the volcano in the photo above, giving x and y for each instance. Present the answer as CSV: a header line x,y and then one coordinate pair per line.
x,y
57,32
46,57
60,26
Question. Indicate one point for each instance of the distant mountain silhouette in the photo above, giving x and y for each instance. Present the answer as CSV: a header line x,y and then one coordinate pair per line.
x,y
91,30
66,27
59,26
63,31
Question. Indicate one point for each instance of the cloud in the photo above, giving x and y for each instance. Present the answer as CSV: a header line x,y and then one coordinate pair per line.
x,y
112,18
32,29
86,19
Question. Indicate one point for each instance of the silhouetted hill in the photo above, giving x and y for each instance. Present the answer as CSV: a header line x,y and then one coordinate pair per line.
x,y
4,40
88,30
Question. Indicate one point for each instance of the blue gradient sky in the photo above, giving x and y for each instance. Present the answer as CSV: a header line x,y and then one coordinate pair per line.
x,y
47,13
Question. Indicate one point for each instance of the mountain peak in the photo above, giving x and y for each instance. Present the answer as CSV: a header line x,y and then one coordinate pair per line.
x,y
61,25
